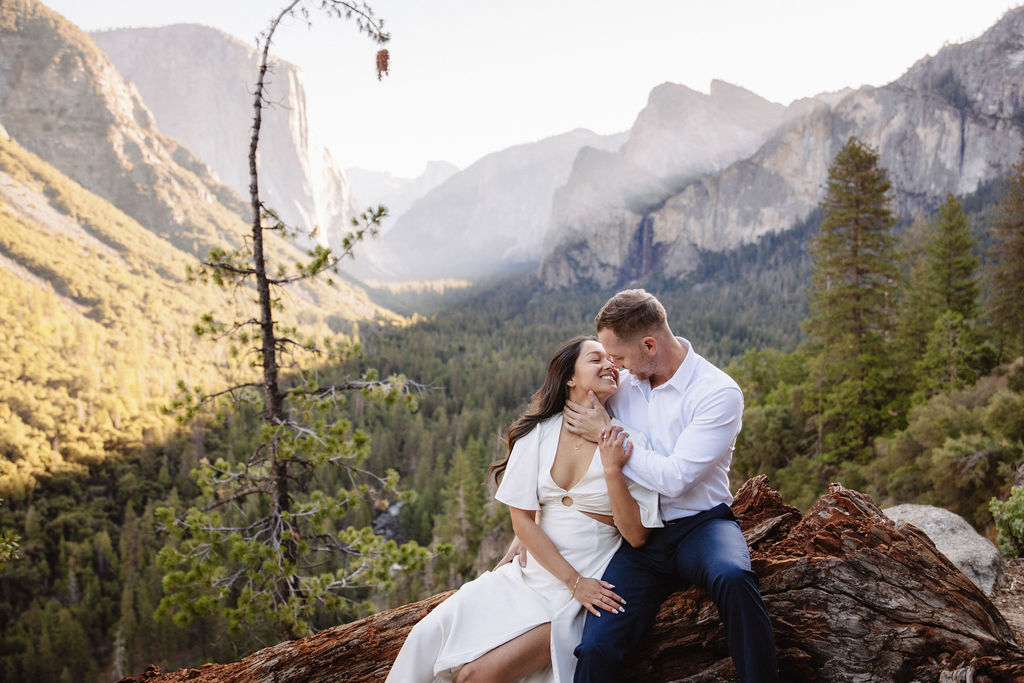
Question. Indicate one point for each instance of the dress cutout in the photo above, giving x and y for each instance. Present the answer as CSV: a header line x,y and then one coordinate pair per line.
x,y
499,605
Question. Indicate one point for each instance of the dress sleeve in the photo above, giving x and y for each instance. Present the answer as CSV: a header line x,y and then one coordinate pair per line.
x,y
518,486
646,499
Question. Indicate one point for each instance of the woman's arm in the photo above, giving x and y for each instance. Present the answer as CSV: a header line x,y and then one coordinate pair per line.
x,y
592,593
625,510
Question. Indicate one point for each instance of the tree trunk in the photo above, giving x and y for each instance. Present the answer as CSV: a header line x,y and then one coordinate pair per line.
x,y
853,596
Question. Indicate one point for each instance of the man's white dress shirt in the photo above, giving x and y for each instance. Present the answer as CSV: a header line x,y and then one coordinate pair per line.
x,y
692,421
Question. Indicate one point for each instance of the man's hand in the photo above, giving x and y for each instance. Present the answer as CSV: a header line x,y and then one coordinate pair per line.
x,y
616,448
516,548
587,421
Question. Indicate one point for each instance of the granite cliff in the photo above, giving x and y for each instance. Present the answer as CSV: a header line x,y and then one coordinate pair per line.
x,y
197,82
953,122
63,100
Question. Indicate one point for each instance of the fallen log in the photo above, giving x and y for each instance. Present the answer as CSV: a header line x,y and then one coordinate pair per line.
x,y
853,596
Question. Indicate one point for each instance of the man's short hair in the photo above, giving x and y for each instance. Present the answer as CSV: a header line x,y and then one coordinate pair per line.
x,y
630,312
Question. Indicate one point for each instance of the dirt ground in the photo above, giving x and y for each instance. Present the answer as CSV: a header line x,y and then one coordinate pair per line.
x,y
1008,597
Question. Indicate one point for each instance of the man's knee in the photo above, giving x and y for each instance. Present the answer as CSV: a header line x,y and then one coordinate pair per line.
x,y
731,579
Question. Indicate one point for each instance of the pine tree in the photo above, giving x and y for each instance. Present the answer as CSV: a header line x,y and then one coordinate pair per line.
x,y
952,266
267,549
1007,274
851,300
462,511
939,344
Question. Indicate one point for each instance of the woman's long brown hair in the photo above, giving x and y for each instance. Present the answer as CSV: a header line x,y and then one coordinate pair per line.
x,y
547,401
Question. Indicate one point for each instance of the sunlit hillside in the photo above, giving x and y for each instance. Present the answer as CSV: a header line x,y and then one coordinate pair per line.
x,y
97,320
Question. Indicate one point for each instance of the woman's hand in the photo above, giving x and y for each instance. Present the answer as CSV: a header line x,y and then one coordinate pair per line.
x,y
596,594
516,549
616,449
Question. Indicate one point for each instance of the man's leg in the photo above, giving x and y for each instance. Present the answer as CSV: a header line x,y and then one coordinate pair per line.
x,y
714,555
639,577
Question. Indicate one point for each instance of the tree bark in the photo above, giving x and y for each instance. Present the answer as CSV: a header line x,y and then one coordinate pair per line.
x,y
853,596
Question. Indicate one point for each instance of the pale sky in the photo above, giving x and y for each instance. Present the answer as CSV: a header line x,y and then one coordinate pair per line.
x,y
471,77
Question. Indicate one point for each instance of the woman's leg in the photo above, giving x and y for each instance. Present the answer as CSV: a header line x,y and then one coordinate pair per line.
x,y
415,661
513,660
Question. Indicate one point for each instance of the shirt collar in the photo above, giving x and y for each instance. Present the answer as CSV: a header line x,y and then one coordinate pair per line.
x,y
684,373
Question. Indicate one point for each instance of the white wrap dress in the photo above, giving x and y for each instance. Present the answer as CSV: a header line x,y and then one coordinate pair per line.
x,y
502,604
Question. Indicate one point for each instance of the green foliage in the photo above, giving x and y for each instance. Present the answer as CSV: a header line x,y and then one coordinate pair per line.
x,y
1006,274
266,548
1009,517
951,267
955,451
853,285
940,343
955,354
8,544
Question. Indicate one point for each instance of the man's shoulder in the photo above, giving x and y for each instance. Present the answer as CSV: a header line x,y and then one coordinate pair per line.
x,y
708,378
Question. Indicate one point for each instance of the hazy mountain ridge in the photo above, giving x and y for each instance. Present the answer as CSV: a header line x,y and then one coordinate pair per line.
x,y
488,218
951,123
371,188
198,81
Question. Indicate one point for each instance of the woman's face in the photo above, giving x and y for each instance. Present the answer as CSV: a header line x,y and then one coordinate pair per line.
x,y
595,372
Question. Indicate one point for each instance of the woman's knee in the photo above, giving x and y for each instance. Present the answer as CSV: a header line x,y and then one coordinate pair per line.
x,y
472,672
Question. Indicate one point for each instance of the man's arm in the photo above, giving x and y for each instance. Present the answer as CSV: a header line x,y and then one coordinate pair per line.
x,y
706,442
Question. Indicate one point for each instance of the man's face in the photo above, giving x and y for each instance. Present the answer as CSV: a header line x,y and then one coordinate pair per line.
x,y
638,355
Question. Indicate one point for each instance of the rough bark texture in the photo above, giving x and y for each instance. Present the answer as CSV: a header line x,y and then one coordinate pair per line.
x,y
853,596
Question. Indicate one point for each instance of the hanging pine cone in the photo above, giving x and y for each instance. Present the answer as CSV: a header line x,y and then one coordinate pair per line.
x,y
382,63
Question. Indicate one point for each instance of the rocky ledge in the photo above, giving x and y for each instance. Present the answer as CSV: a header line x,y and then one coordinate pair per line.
x,y
853,596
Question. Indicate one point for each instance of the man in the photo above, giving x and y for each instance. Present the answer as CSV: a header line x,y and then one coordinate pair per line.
x,y
691,411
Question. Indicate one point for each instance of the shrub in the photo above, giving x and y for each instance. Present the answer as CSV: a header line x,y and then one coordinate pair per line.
x,y
1009,516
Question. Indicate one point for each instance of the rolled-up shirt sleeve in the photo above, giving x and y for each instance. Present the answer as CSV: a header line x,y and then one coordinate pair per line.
x,y
705,443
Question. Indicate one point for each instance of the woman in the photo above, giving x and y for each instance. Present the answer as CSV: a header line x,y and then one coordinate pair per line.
x,y
523,623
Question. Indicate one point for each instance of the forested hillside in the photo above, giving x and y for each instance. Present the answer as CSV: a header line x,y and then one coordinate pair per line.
x,y
94,360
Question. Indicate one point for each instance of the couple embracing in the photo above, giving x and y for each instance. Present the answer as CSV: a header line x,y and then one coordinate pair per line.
x,y
578,483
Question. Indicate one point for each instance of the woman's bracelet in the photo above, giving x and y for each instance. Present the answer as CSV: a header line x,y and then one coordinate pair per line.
x,y
572,593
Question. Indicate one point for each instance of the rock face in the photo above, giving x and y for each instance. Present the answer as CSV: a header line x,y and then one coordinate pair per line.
x,y
198,81
62,99
853,596
489,217
681,134
951,123
971,552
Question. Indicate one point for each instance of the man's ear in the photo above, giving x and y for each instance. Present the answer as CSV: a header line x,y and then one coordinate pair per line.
x,y
650,344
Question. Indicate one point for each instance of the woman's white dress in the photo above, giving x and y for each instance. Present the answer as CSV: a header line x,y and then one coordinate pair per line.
x,y
502,604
